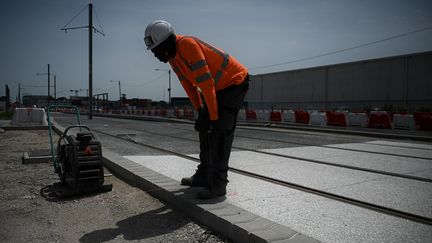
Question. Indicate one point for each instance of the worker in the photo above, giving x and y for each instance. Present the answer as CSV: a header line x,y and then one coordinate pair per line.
x,y
216,84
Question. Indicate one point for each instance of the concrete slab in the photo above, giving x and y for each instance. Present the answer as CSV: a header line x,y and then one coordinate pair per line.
x,y
323,219
403,194
401,165
402,144
400,151
37,156
397,193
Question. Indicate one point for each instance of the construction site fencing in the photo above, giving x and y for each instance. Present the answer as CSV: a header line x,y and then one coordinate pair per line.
x,y
372,119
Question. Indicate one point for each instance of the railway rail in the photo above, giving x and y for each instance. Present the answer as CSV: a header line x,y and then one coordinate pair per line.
x,y
406,176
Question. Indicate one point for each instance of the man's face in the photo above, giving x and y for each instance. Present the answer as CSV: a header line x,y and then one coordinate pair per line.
x,y
161,53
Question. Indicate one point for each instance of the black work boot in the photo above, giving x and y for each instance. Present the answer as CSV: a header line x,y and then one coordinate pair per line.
x,y
195,180
216,189
210,193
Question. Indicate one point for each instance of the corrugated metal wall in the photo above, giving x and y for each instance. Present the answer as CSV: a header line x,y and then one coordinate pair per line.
x,y
403,82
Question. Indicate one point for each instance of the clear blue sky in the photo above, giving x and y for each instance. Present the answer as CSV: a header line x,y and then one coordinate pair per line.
x,y
256,32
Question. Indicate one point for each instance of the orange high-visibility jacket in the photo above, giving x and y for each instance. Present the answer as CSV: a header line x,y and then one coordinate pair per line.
x,y
200,65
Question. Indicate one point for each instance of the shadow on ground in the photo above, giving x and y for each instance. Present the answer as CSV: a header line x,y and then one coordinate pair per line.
x,y
149,224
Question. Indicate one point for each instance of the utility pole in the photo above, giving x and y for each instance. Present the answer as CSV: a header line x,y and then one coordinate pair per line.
x,y
19,95
91,28
90,95
7,98
48,74
169,86
49,101
120,94
55,87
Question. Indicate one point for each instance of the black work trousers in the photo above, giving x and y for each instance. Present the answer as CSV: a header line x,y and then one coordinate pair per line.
x,y
215,147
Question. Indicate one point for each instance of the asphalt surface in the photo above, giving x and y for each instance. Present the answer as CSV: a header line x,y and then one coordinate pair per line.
x,y
305,213
29,212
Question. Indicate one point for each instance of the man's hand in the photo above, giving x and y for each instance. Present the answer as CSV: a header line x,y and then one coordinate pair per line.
x,y
199,122
213,126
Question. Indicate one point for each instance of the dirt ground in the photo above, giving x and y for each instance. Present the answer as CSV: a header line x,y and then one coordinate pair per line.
x,y
122,215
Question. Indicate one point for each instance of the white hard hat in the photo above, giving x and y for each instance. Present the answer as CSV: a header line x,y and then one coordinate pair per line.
x,y
156,32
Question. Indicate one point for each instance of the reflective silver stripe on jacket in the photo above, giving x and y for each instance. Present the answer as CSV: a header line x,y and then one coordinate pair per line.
x,y
201,63
179,74
203,77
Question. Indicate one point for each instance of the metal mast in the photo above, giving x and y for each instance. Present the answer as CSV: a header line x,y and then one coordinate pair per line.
x,y
91,28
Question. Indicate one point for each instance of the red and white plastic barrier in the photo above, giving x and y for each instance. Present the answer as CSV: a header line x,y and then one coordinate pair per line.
x,y
263,115
404,121
302,117
318,118
189,114
376,119
170,113
241,115
251,115
358,119
29,115
379,119
178,113
336,118
288,116
423,120
276,116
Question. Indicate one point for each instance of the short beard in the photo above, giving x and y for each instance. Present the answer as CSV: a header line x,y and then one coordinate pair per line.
x,y
166,50
163,57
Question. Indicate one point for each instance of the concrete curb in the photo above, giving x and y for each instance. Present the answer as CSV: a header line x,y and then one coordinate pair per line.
x,y
233,222
24,127
28,159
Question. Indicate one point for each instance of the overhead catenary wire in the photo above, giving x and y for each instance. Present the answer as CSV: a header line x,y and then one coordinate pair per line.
x,y
42,68
345,49
64,27
100,25
148,82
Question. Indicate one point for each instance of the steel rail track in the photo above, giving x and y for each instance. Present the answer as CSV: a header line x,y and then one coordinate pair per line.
x,y
287,129
397,146
381,172
370,206
405,176
338,148
334,131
